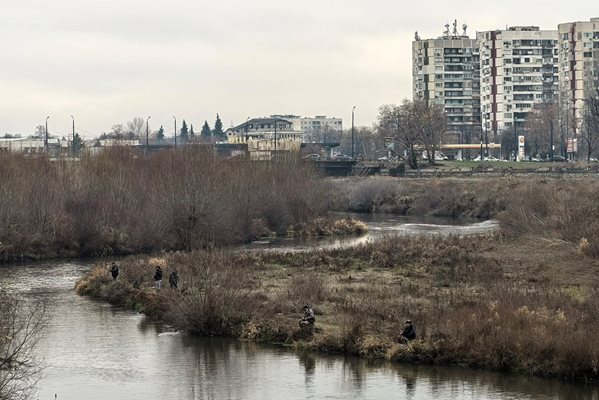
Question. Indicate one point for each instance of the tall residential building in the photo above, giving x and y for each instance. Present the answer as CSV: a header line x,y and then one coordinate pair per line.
x,y
445,71
579,67
519,68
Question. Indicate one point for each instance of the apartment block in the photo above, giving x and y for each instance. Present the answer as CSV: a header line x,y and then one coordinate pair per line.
x,y
579,67
519,68
445,71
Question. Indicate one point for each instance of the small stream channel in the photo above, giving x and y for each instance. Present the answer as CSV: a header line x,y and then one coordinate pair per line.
x,y
94,351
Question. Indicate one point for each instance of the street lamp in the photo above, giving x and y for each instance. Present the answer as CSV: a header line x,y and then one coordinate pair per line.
x,y
148,132
246,129
73,143
352,131
175,118
46,138
275,137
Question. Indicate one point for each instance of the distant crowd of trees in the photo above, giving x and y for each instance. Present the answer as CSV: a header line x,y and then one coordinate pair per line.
x,y
136,129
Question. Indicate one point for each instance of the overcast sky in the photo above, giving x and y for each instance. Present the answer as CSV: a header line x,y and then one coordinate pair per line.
x,y
108,61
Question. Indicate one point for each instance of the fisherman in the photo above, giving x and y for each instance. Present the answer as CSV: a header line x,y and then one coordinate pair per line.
x,y
158,277
408,333
114,271
308,319
173,279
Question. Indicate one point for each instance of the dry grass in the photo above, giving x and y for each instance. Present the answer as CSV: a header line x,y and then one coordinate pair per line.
x,y
448,197
122,203
478,302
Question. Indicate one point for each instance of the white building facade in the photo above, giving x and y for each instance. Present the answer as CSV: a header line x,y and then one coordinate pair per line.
x,y
315,129
446,71
519,68
579,68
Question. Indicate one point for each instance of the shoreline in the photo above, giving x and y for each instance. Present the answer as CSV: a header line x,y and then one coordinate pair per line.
x,y
356,314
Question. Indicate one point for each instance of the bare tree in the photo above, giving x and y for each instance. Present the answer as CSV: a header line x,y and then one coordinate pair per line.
x,y
590,132
136,127
397,122
40,131
20,327
542,126
431,119
412,125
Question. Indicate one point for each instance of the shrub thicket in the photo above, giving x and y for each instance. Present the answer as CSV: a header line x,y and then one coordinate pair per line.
x,y
121,203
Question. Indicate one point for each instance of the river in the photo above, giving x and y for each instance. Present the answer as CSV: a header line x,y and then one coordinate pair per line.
x,y
94,351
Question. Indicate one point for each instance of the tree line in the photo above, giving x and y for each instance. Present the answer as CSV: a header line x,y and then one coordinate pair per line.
x,y
549,126
136,129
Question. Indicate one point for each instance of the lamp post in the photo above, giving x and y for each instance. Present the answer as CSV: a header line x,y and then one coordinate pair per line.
x,y
73,142
246,130
275,137
148,132
516,149
46,137
352,131
175,118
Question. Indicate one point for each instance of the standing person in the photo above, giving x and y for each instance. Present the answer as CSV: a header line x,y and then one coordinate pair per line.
x,y
173,279
309,319
408,333
114,271
158,278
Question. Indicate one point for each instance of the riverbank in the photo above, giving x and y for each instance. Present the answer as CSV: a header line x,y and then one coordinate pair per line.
x,y
488,302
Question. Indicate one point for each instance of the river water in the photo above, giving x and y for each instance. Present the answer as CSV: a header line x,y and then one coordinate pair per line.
x,y
95,351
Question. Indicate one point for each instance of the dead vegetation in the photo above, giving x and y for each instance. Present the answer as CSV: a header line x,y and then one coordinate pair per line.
x,y
121,203
476,301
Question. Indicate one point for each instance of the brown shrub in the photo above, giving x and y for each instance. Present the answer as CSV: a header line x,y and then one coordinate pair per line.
x,y
121,203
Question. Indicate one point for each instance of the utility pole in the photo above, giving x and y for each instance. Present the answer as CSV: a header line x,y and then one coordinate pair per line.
x,y
148,132
275,137
516,149
481,145
46,137
73,142
352,132
246,130
175,118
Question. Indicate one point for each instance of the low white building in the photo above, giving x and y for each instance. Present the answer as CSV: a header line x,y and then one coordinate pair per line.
x,y
315,129
34,145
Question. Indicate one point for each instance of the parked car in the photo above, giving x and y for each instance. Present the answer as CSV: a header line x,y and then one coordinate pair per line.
x,y
342,157
439,156
558,158
312,157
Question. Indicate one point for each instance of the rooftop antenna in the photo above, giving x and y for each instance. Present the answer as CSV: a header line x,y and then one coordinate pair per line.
x,y
416,36
465,28
455,27
446,32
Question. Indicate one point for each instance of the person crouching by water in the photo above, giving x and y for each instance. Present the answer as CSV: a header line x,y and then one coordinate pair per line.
x,y
114,271
408,333
308,319
158,278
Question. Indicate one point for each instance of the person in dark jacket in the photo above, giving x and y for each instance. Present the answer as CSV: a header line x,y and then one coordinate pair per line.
x,y
114,271
173,280
408,333
158,278
309,319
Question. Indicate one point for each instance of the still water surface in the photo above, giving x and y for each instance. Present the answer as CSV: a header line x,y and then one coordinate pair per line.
x,y
96,351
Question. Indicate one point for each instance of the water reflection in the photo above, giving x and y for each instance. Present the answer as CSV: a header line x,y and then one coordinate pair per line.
x,y
97,352
380,225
